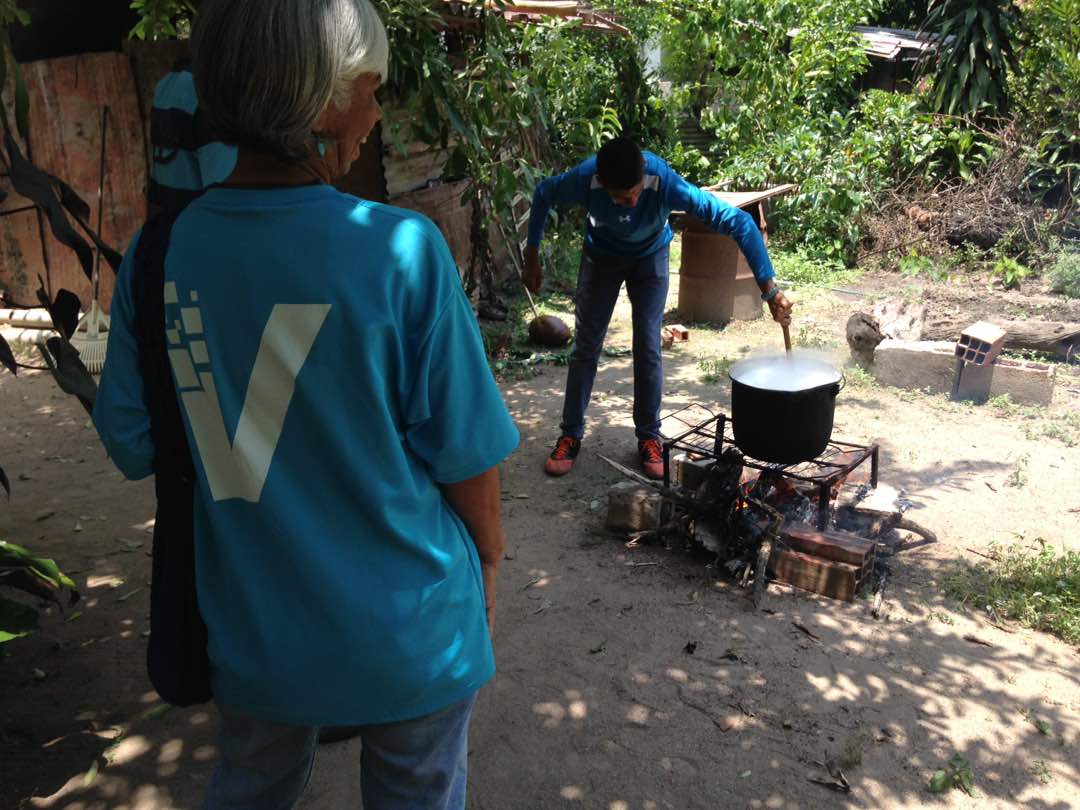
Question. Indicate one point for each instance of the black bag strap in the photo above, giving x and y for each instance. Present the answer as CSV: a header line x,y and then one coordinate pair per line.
x,y
172,457
177,658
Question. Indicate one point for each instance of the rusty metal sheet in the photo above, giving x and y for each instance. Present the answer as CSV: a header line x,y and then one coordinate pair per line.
x,y
744,199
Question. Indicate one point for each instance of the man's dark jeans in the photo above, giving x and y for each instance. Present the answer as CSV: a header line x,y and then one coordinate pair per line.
x,y
599,281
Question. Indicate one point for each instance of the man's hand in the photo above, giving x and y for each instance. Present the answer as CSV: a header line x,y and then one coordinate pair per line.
x,y
780,308
532,275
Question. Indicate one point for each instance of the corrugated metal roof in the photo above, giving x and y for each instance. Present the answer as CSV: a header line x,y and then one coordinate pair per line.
x,y
890,44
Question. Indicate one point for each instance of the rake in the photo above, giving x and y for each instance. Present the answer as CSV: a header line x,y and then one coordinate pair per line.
x,y
90,337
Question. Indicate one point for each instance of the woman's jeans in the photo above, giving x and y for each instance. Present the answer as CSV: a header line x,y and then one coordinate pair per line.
x,y
414,765
599,281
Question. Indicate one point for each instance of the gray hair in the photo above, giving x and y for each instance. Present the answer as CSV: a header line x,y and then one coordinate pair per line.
x,y
266,69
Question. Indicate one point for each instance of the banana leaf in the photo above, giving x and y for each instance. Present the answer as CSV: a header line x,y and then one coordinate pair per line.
x,y
67,368
55,197
64,311
16,620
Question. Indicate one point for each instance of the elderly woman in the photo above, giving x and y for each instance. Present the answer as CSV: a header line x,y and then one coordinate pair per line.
x,y
343,424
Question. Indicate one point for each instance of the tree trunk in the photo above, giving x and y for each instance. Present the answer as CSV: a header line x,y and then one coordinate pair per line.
x,y
1061,339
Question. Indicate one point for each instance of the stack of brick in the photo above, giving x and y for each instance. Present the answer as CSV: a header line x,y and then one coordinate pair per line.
x,y
834,564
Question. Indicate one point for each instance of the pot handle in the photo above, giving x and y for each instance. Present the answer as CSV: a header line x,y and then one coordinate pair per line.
x,y
840,385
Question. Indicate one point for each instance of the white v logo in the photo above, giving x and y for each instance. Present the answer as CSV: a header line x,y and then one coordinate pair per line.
x,y
238,469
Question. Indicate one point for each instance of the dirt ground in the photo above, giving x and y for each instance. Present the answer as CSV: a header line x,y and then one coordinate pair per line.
x,y
599,702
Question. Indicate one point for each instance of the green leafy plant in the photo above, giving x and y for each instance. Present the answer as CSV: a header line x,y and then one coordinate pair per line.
x,y
162,19
1040,725
1035,586
1040,770
974,54
37,577
714,369
1065,274
859,378
1047,93
1010,272
798,267
11,13
956,774
810,336
1018,478
915,265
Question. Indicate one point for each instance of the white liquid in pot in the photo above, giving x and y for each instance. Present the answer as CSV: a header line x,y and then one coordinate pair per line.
x,y
795,372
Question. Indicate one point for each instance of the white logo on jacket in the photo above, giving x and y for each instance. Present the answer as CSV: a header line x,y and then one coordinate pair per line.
x,y
238,468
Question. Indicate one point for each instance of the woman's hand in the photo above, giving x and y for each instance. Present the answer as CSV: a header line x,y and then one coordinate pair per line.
x,y
490,573
780,308
478,502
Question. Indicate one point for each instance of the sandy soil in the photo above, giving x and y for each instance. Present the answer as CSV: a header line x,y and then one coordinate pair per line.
x,y
597,702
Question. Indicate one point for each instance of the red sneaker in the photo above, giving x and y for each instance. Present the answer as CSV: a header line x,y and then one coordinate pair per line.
x,y
562,457
652,458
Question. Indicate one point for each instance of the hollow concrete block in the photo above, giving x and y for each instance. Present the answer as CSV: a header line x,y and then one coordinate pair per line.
x,y
916,364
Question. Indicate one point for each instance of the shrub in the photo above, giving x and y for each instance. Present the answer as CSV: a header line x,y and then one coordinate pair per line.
x,y
1036,587
1065,274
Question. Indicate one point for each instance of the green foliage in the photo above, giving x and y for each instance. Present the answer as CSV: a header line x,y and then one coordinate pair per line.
x,y
1010,272
859,378
1040,770
1037,587
1047,92
714,369
956,774
11,13
594,87
1065,273
810,336
37,577
777,108
974,56
913,264
798,267
161,19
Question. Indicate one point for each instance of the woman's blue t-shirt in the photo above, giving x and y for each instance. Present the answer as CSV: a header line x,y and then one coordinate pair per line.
x,y
331,374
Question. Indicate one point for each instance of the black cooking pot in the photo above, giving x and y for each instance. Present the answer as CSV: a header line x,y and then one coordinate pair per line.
x,y
782,407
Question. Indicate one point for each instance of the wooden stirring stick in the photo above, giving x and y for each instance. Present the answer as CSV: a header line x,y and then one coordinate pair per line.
x,y
787,337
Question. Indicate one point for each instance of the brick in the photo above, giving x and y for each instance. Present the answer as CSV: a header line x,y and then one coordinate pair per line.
x,y
917,364
980,343
679,332
835,546
833,579
689,473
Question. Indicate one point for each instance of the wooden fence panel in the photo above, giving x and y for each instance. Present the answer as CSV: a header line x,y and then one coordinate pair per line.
x,y
66,100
